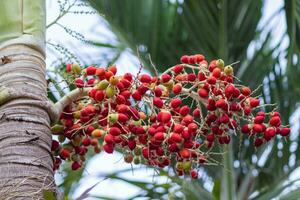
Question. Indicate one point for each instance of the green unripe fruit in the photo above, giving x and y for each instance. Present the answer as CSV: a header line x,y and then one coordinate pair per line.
x,y
228,70
75,157
76,69
68,146
179,166
220,64
57,128
137,151
137,123
102,85
187,165
82,158
136,160
110,91
113,118
61,138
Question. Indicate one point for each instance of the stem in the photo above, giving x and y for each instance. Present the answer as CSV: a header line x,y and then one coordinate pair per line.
x,y
228,181
69,98
61,15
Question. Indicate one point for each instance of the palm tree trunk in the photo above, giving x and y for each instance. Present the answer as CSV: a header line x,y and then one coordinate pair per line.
x,y
25,137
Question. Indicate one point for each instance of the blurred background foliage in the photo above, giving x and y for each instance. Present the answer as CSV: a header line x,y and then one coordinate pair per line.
x,y
234,31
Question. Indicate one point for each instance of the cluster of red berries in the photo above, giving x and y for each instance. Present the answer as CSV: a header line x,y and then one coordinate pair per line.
x,y
178,116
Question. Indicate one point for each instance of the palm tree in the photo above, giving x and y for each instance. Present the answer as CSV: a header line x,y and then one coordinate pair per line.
x,y
224,29
25,141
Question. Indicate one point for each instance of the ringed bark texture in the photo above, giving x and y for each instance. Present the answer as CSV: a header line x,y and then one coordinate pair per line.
x,y
25,136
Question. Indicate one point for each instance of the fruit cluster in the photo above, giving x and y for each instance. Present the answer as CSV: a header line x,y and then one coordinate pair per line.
x,y
178,116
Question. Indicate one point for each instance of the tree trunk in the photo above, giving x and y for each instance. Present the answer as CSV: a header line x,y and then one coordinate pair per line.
x,y
25,136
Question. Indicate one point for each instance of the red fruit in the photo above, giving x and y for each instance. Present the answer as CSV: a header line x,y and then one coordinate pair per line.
x,y
210,137
158,91
259,119
145,78
109,139
201,76
202,93
192,127
175,103
75,165
159,136
246,91
184,110
184,59
79,83
176,137
199,58
191,77
136,96
177,88
257,128
108,74
64,154
158,102
211,80
275,121
285,131
229,90
178,128
216,73
221,102
273,114
128,76
197,113
165,78
55,145
146,153
254,102
108,148
186,135
164,116
113,69
68,67
247,110
245,128
177,69
269,133
91,70
194,174
99,95
224,119
120,99
192,60
115,131
100,72
122,118
86,141
185,153
258,142
131,144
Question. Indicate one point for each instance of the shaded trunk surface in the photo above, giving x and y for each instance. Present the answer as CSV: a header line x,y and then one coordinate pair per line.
x,y
25,137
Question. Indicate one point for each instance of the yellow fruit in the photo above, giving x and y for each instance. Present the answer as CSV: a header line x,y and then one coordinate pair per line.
x,y
220,64
113,80
76,69
228,70
97,133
